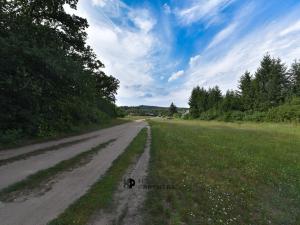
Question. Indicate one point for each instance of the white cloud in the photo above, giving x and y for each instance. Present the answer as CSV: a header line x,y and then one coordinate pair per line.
x,y
293,28
142,19
100,3
239,21
205,10
176,75
129,53
222,35
223,68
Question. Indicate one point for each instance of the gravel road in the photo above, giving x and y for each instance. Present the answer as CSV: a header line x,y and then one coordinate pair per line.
x,y
129,202
38,210
16,171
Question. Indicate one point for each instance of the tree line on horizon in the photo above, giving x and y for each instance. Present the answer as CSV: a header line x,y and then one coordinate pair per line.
x,y
51,80
259,95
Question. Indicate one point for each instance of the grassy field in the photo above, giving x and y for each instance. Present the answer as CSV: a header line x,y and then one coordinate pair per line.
x,y
224,173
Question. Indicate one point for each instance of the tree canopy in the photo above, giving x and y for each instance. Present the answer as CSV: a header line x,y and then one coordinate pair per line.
x,y
172,109
50,78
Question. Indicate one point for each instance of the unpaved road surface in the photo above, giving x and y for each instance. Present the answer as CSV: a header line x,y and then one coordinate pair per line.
x,y
129,202
9,153
18,170
69,186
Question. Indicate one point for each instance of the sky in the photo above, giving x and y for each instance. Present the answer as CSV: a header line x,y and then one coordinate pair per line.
x,y
161,49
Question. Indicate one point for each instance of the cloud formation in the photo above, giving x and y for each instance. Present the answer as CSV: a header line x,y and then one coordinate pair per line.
x,y
176,75
208,11
208,43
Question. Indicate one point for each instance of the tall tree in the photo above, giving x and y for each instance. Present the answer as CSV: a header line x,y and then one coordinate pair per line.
x,y
295,78
261,82
172,109
270,83
231,101
49,76
214,97
246,91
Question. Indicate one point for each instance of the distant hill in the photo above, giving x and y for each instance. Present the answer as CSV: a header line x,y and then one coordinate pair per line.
x,y
147,110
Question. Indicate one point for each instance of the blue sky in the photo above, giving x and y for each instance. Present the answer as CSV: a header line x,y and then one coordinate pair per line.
x,y
160,50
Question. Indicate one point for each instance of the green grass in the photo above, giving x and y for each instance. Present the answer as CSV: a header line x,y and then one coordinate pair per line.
x,y
21,141
42,177
129,117
100,195
224,173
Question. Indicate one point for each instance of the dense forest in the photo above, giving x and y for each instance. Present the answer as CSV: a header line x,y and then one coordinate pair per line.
x,y
272,93
50,78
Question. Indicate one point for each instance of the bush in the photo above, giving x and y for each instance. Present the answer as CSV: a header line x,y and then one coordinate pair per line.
x,y
232,116
288,112
209,115
10,136
255,116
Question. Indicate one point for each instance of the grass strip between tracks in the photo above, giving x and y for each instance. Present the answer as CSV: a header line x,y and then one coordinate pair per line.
x,y
42,150
41,179
100,195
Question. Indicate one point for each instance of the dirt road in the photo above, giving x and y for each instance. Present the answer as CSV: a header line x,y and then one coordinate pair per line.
x,y
38,210
18,170
128,203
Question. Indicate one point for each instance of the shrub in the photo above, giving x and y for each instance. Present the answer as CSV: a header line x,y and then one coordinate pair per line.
x,y
10,136
288,112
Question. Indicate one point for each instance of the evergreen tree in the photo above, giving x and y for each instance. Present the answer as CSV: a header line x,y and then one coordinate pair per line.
x,y
270,83
231,102
194,110
261,82
246,91
295,78
202,98
214,97
172,109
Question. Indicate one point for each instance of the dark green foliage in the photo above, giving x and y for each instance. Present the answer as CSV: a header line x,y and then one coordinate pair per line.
x,y
295,78
264,97
214,97
270,83
246,91
198,101
231,102
50,80
289,111
172,109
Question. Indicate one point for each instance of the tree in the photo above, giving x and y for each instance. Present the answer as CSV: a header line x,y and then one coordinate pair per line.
x,y
246,91
214,97
194,110
50,78
270,83
198,101
172,109
231,102
277,83
295,78
261,82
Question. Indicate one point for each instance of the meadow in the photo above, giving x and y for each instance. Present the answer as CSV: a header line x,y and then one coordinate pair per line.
x,y
224,173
